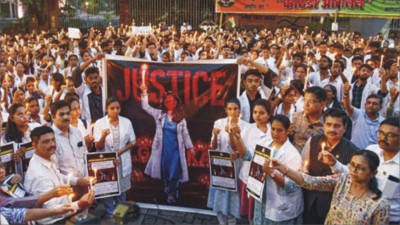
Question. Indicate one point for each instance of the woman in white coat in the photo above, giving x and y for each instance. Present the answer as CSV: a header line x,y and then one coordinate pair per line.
x,y
223,202
114,133
281,192
168,159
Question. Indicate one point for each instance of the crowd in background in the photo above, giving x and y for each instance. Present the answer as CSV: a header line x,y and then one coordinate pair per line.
x,y
301,88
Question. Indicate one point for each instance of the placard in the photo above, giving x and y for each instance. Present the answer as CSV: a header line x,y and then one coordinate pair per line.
x,y
29,151
143,30
256,181
101,165
6,157
14,190
74,33
222,171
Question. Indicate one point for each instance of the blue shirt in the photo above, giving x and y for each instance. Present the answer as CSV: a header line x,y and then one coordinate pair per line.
x,y
365,130
14,215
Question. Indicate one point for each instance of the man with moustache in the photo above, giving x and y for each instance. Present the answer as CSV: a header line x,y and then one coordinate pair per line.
x,y
361,89
43,176
388,150
89,92
365,121
317,203
71,149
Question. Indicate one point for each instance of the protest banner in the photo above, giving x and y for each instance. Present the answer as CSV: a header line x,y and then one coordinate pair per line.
x,y
202,86
343,8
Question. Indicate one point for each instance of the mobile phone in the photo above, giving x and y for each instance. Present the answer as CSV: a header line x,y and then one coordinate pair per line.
x,y
391,184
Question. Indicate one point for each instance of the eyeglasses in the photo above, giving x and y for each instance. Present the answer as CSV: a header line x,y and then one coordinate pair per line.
x,y
387,135
357,169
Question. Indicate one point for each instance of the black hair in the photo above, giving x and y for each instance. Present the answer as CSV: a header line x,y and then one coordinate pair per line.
x,y
388,64
392,121
70,95
92,70
334,92
329,60
355,58
12,133
366,66
374,44
342,65
298,85
319,92
110,100
55,106
376,96
299,55
233,100
251,72
40,131
72,56
58,77
282,119
373,163
337,113
264,103
30,99
29,79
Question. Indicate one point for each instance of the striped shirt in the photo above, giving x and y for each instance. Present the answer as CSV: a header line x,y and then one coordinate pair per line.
x,y
14,215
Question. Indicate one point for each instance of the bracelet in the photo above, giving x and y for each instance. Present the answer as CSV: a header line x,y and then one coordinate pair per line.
x,y
345,95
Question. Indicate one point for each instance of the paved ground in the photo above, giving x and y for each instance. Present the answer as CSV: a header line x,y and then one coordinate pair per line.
x,y
165,216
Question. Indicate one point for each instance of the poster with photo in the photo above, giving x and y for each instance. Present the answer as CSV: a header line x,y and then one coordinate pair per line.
x,y
29,151
222,171
6,157
255,183
14,190
101,165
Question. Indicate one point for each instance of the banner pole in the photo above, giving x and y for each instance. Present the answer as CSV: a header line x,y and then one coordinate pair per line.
x,y
220,19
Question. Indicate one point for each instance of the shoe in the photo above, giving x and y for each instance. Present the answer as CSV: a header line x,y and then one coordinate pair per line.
x,y
171,200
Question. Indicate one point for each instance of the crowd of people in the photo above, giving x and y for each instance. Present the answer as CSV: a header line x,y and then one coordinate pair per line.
x,y
322,99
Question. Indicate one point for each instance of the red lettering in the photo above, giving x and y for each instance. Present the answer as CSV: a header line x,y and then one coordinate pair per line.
x,y
186,86
153,97
127,78
203,75
216,88
135,89
174,80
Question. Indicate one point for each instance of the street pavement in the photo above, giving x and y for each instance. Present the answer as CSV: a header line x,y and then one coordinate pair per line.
x,y
165,216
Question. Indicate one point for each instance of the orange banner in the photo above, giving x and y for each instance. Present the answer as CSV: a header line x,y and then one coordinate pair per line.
x,y
286,7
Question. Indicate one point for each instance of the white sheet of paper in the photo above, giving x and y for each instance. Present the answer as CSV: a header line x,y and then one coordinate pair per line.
x,y
74,33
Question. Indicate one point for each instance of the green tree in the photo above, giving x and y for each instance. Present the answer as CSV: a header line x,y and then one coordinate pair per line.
x,y
37,9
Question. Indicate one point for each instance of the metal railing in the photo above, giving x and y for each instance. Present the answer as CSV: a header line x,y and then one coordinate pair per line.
x,y
89,13
172,11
